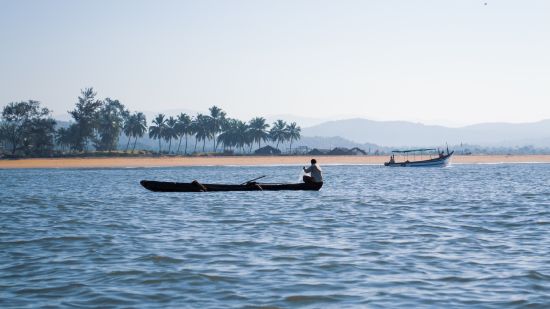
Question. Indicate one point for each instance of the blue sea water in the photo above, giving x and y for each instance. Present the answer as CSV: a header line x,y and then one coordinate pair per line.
x,y
458,237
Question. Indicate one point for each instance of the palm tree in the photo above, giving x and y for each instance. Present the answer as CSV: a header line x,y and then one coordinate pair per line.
x,y
139,127
170,131
127,128
202,129
156,131
278,132
218,117
183,128
242,135
234,133
258,130
293,131
225,135
193,129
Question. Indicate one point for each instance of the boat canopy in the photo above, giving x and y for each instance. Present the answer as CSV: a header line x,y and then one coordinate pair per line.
x,y
414,150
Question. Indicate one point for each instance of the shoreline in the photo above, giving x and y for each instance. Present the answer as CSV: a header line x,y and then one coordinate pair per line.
x,y
136,162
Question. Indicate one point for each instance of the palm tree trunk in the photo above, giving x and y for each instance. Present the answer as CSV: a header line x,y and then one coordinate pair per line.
x,y
181,137
134,148
195,149
185,143
203,144
169,145
127,144
159,147
215,143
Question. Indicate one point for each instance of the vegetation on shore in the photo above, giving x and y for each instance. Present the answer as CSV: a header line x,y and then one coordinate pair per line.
x,y
101,128
28,130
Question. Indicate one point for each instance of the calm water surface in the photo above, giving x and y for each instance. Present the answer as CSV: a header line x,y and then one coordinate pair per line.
x,y
463,236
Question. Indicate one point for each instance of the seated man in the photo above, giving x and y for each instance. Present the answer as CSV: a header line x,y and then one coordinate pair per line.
x,y
315,172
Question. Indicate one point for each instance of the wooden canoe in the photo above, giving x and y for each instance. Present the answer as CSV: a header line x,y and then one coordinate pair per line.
x,y
162,186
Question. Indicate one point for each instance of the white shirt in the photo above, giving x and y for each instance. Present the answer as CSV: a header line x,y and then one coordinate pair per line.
x,y
316,172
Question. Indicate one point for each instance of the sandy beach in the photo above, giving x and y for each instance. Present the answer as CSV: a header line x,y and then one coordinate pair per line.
x,y
243,160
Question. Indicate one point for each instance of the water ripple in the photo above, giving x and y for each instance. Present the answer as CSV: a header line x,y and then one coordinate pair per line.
x,y
466,236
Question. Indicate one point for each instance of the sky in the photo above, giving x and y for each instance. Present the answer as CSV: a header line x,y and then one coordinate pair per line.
x,y
450,62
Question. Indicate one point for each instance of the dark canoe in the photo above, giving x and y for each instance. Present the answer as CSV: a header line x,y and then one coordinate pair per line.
x,y
161,186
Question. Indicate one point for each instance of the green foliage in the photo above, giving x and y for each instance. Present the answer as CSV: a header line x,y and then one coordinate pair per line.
x,y
3,137
293,131
183,129
40,137
278,132
135,125
85,115
67,138
170,132
138,127
217,116
202,128
258,130
110,122
26,128
235,133
156,131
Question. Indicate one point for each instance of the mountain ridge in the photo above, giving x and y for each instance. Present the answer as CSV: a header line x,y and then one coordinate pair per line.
x,y
406,133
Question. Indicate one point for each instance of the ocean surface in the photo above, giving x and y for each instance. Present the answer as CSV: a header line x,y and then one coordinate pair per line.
x,y
466,236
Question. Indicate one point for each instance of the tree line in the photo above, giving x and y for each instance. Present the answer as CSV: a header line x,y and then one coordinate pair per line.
x,y
27,129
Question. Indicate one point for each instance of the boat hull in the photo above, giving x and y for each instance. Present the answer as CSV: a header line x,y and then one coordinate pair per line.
x,y
161,186
437,162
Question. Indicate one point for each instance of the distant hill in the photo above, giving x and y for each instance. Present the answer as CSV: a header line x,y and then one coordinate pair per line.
x,y
403,133
301,121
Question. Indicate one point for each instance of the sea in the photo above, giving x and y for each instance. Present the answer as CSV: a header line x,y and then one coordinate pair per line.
x,y
465,236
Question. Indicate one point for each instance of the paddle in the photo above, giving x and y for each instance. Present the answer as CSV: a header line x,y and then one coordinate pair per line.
x,y
251,180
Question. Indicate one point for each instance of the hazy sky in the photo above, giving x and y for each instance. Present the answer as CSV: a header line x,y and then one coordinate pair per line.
x,y
442,61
